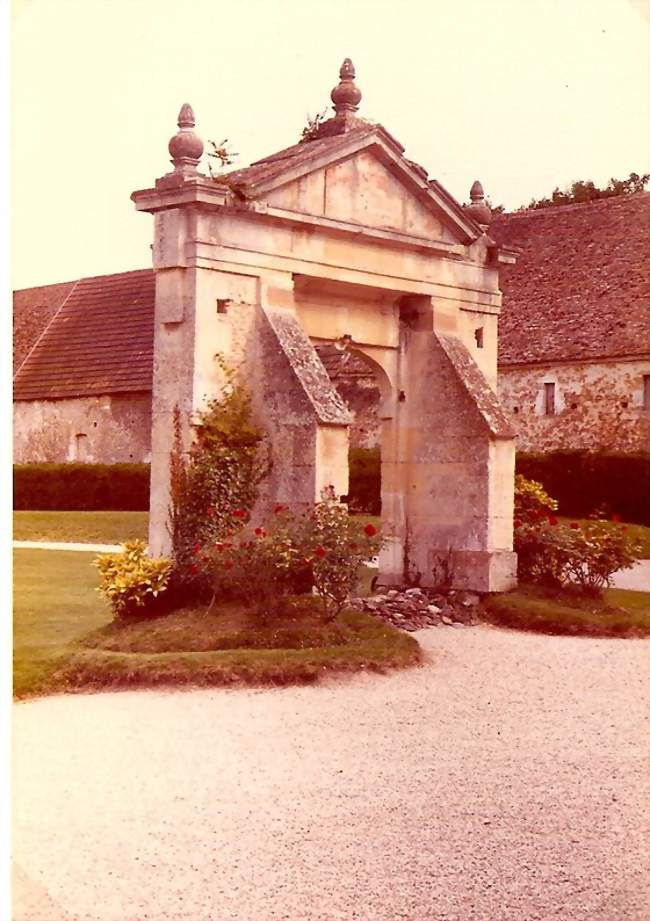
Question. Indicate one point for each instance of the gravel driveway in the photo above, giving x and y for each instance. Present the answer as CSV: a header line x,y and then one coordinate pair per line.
x,y
506,779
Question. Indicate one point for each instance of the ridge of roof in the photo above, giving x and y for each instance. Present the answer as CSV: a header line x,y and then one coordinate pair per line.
x,y
556,209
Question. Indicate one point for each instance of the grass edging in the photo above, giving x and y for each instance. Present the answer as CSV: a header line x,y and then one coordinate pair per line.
x,y
621,614
377,647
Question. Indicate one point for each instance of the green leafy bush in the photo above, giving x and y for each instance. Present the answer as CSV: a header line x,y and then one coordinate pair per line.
x,y
554,554
264,566
129,580
213,490
587,482
530,499
81,487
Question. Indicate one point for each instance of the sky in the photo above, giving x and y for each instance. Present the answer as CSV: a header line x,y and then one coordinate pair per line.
x,y
525,95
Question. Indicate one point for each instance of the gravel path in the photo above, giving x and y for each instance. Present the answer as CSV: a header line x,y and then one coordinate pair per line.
x,y
506,779
65,545
637,579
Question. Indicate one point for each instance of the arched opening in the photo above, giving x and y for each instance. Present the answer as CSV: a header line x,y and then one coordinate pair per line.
x,y
365,386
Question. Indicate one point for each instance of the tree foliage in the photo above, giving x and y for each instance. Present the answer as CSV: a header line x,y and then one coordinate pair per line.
x,y
584,190
222,474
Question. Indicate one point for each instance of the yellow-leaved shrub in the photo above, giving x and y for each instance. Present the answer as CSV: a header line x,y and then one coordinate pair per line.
x,y
131,578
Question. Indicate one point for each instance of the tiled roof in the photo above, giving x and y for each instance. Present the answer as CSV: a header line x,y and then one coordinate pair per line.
x,y
100,341
580,290
581,287
343,365
33,310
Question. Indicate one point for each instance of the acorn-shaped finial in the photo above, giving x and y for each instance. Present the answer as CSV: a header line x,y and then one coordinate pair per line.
x,y
186,147
479,209
347,95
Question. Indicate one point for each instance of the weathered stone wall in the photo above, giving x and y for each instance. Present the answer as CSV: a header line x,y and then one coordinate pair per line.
x,y
598,406
109,429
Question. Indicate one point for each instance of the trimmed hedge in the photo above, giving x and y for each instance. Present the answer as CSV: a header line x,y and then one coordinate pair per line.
x,y
581,482
585,482
365,480
81,487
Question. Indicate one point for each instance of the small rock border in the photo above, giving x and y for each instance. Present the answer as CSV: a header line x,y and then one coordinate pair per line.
x,y
416,608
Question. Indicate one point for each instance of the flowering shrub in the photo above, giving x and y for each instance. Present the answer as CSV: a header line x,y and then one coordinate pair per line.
x,y
263,566
335,545
214,489
531,500
586,556
130,579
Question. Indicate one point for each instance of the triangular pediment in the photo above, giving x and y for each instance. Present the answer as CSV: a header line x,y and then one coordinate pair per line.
x,y
362,179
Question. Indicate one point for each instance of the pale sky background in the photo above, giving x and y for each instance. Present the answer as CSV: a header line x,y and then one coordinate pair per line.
x,y
522,94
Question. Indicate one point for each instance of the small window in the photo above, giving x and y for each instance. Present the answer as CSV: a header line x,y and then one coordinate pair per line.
x,y
478,335
549,399
646,391
222,305
516,410
80,447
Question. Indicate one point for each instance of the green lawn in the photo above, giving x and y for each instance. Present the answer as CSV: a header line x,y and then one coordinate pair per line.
x,y
64,638
88,527
619,613
54,604
116,527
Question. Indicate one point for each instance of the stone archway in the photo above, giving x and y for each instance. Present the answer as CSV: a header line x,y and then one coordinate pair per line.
x,y
341,236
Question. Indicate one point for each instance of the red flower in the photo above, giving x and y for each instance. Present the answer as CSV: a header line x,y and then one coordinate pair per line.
x,y
278,509
370,530
517,522
239,513
320,551
575,526
196,548
552,520
260,532
211,512
194,569
616,517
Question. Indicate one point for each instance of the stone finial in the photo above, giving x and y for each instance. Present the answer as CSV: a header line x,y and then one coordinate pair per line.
x,y
186,147
479,209
347,95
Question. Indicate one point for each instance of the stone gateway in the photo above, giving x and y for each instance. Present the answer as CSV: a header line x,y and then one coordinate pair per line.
x,y
341,241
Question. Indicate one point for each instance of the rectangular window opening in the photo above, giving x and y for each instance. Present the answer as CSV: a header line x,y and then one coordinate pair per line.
x,y
478,335
549,399
222,305
80,447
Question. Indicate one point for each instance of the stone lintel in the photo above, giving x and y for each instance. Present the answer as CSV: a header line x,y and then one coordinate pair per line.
x,y
204,254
